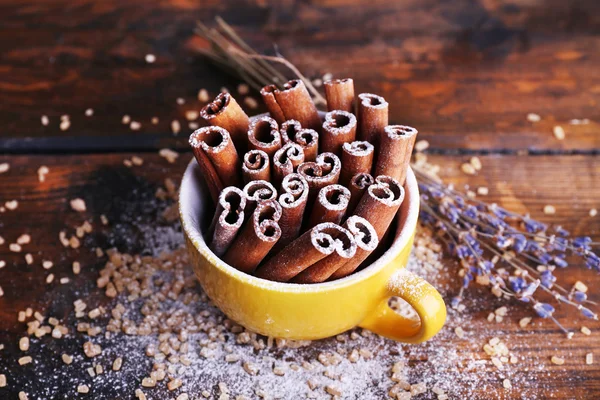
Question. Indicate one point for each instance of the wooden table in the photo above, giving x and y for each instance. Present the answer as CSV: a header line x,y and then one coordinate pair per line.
x,y
465,73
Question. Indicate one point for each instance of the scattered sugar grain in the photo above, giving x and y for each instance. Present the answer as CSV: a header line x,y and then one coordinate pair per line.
x,y
135,126
126,119
593,212
557,360
4,167
243,89
468,169
78,205
586,331
549,209
25,360
476,163
150,58
45,120
11,205
559,132
168,154
251,103
523,322
65,125
532,117
589,358
421,145
203,96
175,127
24,343
89,112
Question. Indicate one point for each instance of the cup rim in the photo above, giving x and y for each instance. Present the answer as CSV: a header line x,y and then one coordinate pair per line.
x,y
191,187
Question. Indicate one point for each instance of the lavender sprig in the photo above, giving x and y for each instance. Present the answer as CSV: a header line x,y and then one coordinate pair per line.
x,y
513,254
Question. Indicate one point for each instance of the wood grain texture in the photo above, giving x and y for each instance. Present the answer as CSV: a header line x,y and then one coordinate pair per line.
x,y
465,73
126,197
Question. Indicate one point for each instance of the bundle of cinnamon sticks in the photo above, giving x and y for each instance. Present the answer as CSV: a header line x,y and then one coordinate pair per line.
x,y
300,199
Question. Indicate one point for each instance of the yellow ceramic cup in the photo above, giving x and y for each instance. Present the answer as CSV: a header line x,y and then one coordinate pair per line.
x,y
315,311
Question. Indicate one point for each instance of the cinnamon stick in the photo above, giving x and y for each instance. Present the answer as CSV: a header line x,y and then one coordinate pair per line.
x,y
332,202
286,160
395,150
358,186
296,103
308,139
357,157
263,134
311,247
366,242
268,97
372,117
225,112
340,94
322,269
215,152
380,203
339,128
256,166
294,194
256,192
288,130
228,220
325,170
257,237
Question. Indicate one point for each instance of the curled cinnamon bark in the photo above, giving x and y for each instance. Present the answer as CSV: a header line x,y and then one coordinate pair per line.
x,y
288,130
314,245
340,94
372,117
332,202
366,242
339,128
395,150
216,154
257,237
357,157
380,203
286,160
323,269
225,112
358,186
256,166
228,219
263,134
294,194
325,170
296,103
268,97
308,139
256,192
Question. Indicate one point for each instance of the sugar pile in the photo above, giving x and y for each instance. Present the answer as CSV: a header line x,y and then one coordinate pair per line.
x,y
151,312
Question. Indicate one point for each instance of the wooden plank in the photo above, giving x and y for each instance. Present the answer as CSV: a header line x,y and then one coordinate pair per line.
x,y
464,74
127,197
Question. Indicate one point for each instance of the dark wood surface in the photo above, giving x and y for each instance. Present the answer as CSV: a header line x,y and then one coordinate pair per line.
x,y
465,73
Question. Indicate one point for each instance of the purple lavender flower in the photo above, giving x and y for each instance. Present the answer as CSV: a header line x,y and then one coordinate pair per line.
x,y
505,247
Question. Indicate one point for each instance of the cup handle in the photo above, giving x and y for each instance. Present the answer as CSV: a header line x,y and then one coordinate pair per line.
x,y
423,297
